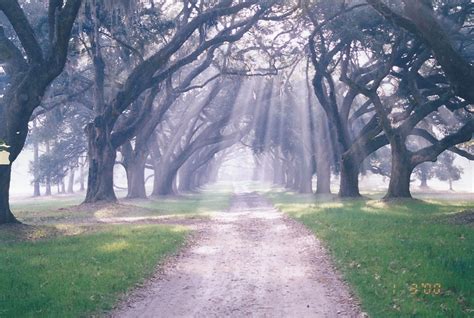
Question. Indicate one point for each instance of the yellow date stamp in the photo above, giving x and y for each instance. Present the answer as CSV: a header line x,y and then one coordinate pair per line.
x,y
426,289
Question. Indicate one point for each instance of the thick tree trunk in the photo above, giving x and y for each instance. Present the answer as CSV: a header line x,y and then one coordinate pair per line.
x,y
163,182
349,186
136,177
6,215
323,155
101,155
323,176
399,186
70,185
186,179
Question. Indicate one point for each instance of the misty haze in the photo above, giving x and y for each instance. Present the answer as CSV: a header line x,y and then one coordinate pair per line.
x,y
236,158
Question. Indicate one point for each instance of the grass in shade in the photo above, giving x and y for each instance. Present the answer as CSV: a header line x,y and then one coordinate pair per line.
x,y
80,275
66,263
406,259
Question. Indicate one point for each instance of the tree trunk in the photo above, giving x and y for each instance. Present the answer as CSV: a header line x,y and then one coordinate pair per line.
x,y
6,215
48,187
70,185
424,181
305,182
163,182
278,174
36,183
136,177
296,179
82,178
186,179
101,155
399,186
349,186
48,177
323,154
323,177
289,176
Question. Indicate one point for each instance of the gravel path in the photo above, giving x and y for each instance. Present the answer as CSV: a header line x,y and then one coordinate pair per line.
x,y
251,261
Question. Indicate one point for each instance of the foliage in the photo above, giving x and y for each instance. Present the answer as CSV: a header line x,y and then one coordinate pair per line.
x,y
63,129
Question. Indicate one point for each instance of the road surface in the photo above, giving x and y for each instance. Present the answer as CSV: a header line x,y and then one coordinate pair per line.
x,y
250,261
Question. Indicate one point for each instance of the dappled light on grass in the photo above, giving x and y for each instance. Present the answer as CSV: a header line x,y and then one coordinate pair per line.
x,y
187,205
116,246
80,275
106,212
386,248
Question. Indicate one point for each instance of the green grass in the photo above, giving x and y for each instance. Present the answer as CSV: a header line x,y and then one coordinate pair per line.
x,y
80,275
66,264
58,209
186,205
383,249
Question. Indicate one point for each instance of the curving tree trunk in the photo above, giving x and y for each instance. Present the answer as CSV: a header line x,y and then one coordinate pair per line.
x,y
163,182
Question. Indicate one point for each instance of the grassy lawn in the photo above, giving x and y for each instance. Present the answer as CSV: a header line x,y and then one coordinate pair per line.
x,y
71,276
405,259
64,209
66,264
186,205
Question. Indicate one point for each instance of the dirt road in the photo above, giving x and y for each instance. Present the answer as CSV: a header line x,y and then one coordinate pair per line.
x,y
250,261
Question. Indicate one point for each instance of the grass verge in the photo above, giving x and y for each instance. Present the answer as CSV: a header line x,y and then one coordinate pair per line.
x,y
189,205
65,263
403,259
80,275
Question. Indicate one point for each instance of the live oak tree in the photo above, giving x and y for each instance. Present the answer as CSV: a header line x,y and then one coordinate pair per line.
x,y
62,129
369,57
31,64
334,34
210,123
418,90
192,34
421,18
